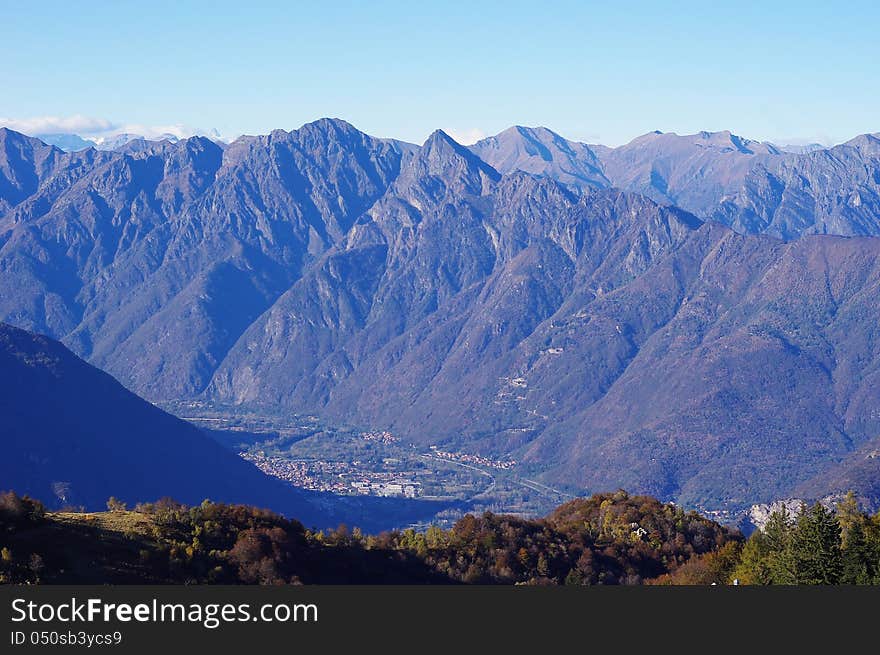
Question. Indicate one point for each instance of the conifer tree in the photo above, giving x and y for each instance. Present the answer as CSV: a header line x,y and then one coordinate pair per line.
x,y
848,515
815,547
754,566
857,567
777,533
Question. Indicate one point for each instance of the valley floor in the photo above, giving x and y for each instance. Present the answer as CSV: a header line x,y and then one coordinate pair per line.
x,y
354,462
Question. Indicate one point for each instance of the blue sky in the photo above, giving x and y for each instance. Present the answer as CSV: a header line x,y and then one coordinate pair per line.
x,y
598,72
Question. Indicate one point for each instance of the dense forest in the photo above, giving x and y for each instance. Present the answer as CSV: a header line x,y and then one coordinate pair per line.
x,y
817,546
612,538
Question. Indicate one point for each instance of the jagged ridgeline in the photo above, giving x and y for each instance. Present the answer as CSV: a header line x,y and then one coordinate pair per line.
x,y
608,317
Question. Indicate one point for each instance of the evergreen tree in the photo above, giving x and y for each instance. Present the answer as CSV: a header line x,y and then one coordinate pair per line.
x,y
779,561
815,547
754,565
849,515
857,567
872,539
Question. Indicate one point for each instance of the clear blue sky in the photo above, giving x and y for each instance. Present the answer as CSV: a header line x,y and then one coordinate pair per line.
x,y
593,71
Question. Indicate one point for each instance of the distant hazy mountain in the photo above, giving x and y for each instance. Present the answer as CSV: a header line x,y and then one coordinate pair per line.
x,y
539,151
74,142
801,149
119,140
752,186
694,171
601,337
66,142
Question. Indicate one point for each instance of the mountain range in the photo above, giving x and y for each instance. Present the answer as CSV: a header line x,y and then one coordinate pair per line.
x,y
754,187
688,316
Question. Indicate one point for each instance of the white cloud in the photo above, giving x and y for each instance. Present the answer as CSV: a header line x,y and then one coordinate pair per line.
x,y
78,124
467,136
100,129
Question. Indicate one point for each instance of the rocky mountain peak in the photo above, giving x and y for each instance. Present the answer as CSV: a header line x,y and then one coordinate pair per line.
x,y
443,165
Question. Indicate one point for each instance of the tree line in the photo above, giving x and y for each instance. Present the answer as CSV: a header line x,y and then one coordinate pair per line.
x,y
816,545
612,538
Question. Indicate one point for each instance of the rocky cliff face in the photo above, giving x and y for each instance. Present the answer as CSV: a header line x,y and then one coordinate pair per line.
x,y
833,191
165,256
